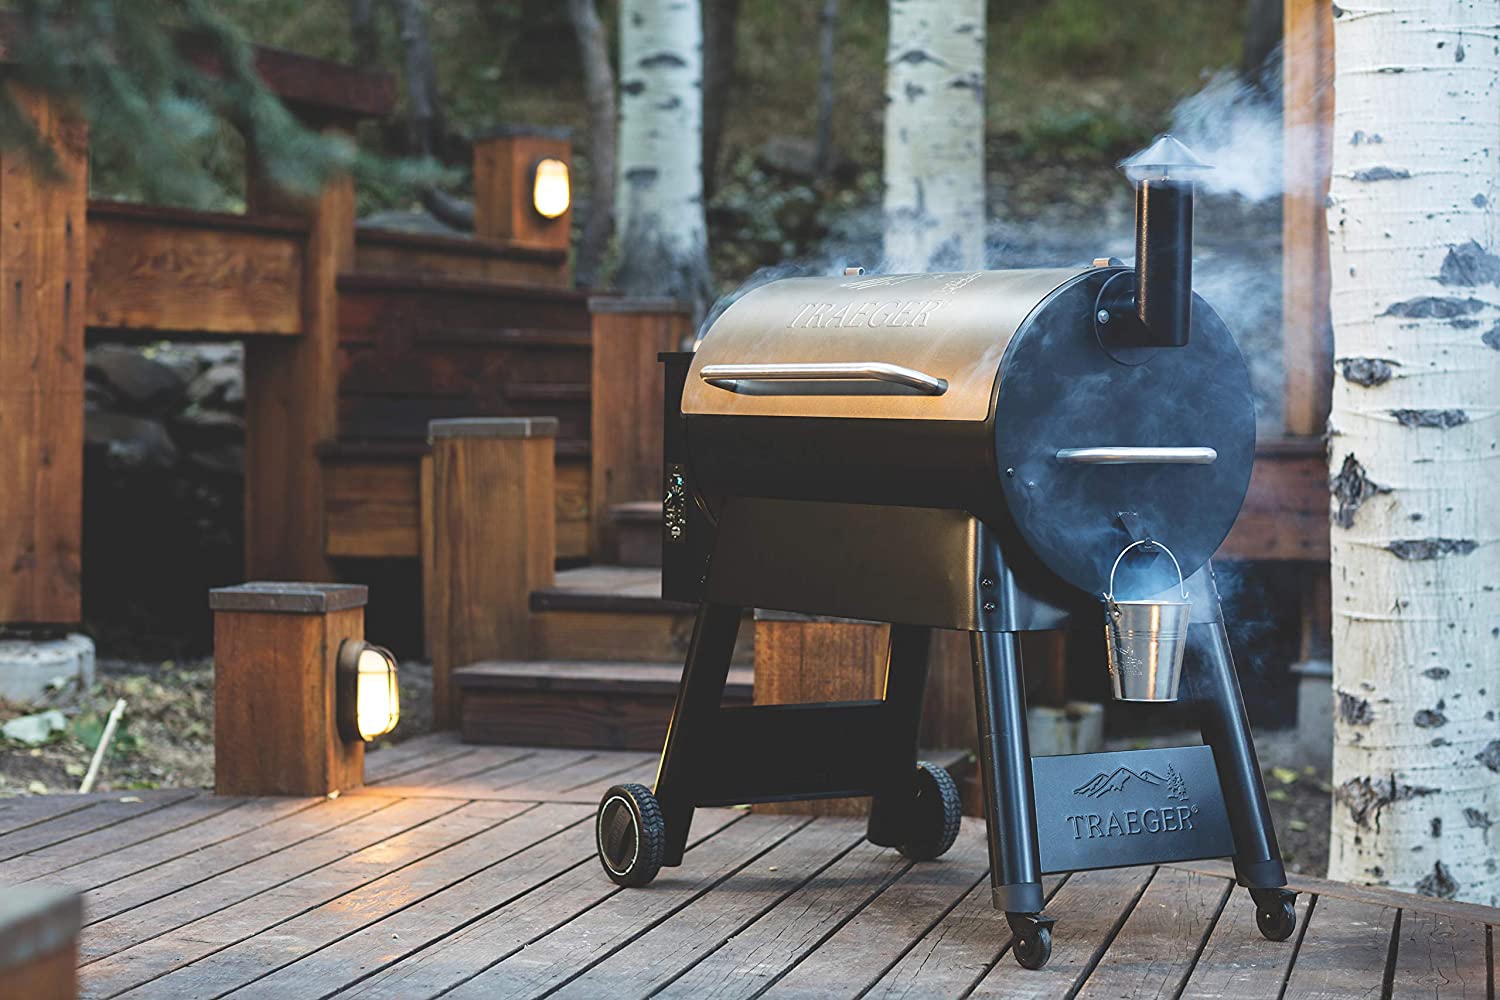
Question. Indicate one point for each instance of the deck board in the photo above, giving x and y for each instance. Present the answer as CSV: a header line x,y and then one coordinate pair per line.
x,y
1237,962
799,888
1090,908
576,946
1440,957
1159,943
957,951
143,828
1345,951
489,861
872,941
467,871
501,933
179,874
72,825
82,871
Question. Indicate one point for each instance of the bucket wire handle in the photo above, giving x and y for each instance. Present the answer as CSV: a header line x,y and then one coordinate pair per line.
x,y
1109,595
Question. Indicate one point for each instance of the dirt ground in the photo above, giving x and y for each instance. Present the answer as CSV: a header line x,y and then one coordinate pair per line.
x,y
165,739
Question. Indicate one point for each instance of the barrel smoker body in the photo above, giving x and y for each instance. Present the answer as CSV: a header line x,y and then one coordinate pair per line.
x,y
976,451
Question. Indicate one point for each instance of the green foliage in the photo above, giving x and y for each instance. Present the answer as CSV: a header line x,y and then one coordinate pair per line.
x,y
157,117
1147,39
1077,132
88,728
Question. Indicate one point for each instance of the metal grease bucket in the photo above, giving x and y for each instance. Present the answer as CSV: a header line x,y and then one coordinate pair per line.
x,y
1146,639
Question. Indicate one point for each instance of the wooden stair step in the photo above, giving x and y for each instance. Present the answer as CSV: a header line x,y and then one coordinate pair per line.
x,y
533,392
637,512
576,703
637,527
617,613
586,675
625,589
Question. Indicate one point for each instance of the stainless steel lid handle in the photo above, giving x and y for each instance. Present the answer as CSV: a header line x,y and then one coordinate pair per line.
x,y
1127,455
728,376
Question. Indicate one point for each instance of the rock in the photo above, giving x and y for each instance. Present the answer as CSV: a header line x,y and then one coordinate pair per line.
x,y
409,222
129,442
196,427
34,730
789,155
221,385
98,396
797,158
184,359
29,667
139,383
228,460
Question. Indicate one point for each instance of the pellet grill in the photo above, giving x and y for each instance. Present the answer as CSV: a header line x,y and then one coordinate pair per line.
x,y
995,452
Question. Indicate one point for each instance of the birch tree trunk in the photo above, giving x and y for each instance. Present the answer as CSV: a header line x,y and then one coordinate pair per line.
x,y
934,136
599,87
663,237
1415,447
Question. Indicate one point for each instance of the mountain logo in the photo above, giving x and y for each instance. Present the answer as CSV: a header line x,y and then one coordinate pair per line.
x,y
1104,783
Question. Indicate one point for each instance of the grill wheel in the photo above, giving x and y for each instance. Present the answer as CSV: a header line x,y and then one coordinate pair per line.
x,y
937,814
630,835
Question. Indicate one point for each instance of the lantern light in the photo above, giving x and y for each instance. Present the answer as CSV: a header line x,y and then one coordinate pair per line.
x,y
369,702
550,189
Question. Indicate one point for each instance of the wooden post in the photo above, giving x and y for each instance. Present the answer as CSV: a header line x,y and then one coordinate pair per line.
x,y
803,658
276,647
493,526
627,384
39,942
503,164
291,397
42,277
1307,130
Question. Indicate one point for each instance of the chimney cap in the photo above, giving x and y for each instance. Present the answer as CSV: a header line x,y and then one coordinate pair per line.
x,y
1163,158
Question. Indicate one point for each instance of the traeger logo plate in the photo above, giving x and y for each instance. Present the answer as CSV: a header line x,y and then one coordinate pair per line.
x,y
1105,810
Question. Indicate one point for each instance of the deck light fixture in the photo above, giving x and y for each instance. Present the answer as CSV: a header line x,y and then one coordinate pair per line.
x,y
369,703
550,188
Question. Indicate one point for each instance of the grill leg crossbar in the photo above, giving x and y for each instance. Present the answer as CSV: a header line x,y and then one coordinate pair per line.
x,y
774,753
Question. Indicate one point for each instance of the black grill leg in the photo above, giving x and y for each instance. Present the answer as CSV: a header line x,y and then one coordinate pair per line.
x,y
894,807
1226,728
1005,766
698,698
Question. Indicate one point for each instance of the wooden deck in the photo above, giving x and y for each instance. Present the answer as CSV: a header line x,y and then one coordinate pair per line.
x,y
469,872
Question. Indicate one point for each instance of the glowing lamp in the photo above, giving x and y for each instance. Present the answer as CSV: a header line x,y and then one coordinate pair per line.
x,y
369,703
550,190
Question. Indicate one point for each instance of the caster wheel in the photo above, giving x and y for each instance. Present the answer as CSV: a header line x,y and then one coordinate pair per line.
x,y
1276,917
1032,950
630,834
937,814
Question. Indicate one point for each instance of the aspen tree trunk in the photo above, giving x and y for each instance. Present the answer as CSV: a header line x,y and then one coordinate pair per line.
x,y
934,136
599,87
1414,447
663,238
